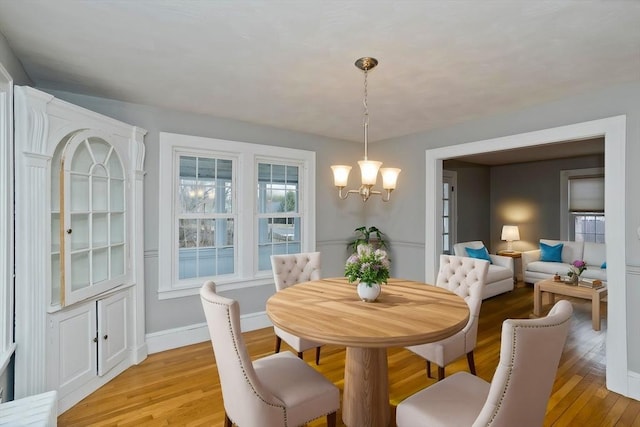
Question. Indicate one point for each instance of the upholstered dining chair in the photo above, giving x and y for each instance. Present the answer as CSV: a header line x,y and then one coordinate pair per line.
x,y
274,391
518,394
465,277
288,270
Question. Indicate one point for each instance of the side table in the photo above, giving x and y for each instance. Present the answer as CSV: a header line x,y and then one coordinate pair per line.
x,y
516,255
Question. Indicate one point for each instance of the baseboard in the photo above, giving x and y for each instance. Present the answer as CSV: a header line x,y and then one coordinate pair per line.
x,y
634,385
197,333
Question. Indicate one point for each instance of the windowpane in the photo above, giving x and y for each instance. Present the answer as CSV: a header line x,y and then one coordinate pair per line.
x,y
589,228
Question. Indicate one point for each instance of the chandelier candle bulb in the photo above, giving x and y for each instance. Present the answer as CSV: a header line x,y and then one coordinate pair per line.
x,y
341,175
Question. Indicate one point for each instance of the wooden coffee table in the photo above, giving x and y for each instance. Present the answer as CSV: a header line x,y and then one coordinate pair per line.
x,y
551,289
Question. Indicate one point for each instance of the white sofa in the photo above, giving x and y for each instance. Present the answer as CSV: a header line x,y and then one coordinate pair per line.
x,y
593,254
500,274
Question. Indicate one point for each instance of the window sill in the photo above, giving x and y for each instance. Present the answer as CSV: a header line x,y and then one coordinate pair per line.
x,y
222,286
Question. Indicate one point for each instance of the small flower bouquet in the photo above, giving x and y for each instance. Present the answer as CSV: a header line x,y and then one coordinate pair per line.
x,y
576,269
368,265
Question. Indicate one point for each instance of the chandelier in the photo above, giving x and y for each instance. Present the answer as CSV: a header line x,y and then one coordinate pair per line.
x,y
368,168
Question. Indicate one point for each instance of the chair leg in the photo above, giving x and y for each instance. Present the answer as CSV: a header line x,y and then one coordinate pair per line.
x,y
429,369
331,419
300,354
440,373
472,365
318,355
227,421
278,343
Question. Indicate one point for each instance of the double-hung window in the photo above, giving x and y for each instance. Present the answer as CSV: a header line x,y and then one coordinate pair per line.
x,y
226,207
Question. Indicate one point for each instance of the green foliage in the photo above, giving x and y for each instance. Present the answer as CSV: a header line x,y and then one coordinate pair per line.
x,y
368,264
368,236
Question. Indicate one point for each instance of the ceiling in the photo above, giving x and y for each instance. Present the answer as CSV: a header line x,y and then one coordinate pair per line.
x,y
289,64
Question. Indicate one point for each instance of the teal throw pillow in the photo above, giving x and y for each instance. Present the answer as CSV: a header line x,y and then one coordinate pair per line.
x,y
481,253
604,265
551,253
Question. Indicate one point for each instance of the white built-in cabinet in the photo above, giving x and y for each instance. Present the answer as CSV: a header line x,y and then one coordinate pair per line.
x,y
79,253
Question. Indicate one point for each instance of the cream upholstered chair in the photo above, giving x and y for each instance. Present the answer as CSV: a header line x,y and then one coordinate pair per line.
x,y
501,270
288,270
464,276
277,390
519,392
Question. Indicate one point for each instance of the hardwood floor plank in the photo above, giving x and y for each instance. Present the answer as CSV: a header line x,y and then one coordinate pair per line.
x,y
181,386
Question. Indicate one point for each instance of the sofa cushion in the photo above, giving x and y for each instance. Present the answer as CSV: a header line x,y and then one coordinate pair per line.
x,y
497,273
571,251
480,253
594,273
595,254
550,253
549,267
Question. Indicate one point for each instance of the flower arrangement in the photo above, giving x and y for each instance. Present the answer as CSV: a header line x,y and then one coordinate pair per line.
x,y
368,264
577,267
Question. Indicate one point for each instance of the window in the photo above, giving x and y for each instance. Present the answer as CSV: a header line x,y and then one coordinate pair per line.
x,y
233,205
582,201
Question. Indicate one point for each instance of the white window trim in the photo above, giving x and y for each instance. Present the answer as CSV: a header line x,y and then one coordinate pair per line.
x,y
566,220
245,156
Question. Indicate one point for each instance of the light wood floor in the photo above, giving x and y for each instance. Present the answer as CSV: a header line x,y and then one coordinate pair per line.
x,y
181,387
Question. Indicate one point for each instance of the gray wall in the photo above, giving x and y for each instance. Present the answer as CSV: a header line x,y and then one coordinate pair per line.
x,y
473,201
335,219
528,195
402,218
409,203
12,64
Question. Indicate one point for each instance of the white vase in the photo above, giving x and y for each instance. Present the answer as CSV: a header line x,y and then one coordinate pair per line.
x,y
368,292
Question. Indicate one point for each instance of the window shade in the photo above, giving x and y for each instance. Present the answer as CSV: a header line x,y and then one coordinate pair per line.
x,y
586,194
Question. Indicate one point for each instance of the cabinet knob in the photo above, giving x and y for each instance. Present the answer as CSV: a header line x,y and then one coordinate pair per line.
x,y
69,231
105,336
95,339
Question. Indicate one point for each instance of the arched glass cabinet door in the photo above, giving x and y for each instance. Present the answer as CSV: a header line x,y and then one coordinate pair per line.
x,y
89,224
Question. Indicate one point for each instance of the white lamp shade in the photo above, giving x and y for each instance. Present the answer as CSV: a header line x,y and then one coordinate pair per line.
x,y
369,171
389,178
340,175
510,233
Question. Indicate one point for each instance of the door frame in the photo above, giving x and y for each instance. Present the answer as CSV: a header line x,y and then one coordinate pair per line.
x,y
613,129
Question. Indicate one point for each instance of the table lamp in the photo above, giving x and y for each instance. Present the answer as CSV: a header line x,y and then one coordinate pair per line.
x,y
510,233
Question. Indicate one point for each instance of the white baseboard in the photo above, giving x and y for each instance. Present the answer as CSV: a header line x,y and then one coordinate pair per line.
x,y
634,385
197,333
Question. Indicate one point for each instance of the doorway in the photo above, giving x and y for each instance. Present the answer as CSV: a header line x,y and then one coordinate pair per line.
x,y
613,130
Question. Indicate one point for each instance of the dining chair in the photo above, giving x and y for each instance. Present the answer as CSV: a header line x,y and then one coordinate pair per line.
x,y
518,394
273,391
288,270
465,277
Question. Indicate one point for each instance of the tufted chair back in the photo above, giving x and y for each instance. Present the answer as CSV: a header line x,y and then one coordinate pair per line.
x,y
465,277
290,269
530,351
246,402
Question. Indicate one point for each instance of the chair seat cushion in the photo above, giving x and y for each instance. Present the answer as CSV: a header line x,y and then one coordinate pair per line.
x,y
459,397
300,387
297,343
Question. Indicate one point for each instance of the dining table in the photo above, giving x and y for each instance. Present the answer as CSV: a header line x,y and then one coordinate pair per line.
x,y
406,313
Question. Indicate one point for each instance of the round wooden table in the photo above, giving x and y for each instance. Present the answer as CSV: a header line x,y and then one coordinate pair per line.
x,y
406,313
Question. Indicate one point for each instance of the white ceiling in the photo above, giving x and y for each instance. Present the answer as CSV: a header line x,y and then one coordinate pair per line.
x,y
289,64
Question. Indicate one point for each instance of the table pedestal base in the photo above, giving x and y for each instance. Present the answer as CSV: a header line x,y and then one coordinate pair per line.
x,y
366,388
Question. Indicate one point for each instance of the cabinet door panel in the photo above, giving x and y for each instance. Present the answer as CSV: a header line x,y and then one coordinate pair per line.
x,y
112,331
76,331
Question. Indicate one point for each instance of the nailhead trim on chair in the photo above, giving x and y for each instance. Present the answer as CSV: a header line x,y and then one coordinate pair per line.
x,y
235,347
513,355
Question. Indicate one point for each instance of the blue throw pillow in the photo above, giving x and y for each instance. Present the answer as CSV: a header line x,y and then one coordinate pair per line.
x,y
604,265
551,253
481,253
